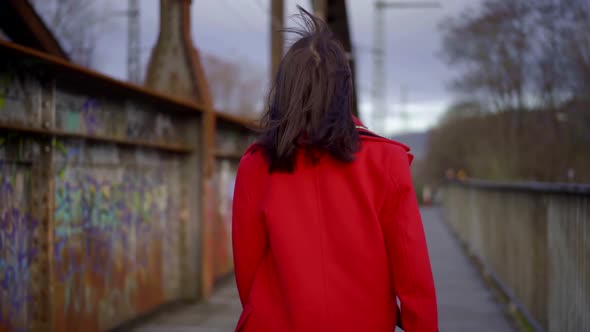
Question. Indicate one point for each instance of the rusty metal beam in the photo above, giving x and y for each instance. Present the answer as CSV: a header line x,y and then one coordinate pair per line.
x,y
166,147
109,85
228,155
22,24
277,40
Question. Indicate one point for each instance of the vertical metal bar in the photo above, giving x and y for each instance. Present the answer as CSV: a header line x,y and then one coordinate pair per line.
x,y
133,43
277,17
42,211
379,111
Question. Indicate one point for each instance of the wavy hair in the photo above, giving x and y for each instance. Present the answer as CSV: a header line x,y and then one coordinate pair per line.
x,y
310,102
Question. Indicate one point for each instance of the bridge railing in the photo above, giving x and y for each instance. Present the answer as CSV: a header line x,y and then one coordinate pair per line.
x,y
100,197
534,240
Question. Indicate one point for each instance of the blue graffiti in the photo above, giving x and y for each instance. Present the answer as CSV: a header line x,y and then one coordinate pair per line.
x,y
103,225
90,110
17,249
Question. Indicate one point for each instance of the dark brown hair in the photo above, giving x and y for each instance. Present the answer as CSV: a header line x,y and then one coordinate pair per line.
x,y
310,102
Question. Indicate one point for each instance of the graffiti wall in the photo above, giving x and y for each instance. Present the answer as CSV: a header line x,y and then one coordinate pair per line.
x,y
225,180
19,99
17,250
96,115
232,141
233,138
115,217
115,235
101,200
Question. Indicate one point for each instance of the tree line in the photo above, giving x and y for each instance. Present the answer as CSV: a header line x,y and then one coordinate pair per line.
x,y
522,98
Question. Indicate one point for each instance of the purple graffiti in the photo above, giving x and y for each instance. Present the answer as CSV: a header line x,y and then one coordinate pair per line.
x,y
17,249
96,220
17,252
90,109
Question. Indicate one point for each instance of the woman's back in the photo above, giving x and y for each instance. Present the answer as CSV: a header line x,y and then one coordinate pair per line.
x,y
326,228
329,238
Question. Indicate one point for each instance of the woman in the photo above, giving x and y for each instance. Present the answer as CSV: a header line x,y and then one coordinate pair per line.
x,y
327,234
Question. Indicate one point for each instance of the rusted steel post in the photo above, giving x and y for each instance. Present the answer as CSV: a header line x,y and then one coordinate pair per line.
x,y
320,8
175,68
42,212
277,40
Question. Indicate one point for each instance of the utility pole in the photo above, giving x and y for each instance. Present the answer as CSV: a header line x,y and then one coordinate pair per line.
x,y
277,21
380,105
133,43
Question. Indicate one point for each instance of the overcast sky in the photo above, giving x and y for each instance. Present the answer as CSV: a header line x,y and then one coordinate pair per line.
x,y
238,31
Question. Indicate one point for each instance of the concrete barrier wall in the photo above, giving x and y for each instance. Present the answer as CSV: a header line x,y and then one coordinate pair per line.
x,y
534,239
100,198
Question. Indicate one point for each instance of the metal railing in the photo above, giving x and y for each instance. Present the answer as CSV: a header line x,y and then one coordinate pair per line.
x,y
534,240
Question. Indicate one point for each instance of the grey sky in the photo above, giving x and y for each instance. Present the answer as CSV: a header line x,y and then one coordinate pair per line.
x,y
237,30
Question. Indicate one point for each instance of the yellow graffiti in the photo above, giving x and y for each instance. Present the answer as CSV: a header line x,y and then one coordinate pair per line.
x,y
106,192
6,82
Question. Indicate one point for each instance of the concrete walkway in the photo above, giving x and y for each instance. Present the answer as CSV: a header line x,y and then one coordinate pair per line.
x,y
465,304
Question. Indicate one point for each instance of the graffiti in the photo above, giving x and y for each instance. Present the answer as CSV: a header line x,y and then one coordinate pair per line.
x,y
17,250
136,127
218,193
90,108
79,114
209,202
6,91
17,147
232,141
225,189
141,125
17,96
94,116
113,231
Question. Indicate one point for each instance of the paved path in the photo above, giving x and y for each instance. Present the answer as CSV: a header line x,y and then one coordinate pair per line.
x,y
464,302
465,305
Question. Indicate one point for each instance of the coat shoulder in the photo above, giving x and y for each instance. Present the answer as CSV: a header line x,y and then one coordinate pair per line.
x,y
253,157
389,146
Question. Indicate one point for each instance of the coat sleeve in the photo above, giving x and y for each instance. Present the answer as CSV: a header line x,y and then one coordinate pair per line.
x,y
249,237
407,250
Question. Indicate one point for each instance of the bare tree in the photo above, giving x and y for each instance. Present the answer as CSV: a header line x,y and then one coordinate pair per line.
x,y
523,62
76,24
521,54
491,43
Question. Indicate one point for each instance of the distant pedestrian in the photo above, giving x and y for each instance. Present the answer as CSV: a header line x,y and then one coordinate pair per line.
x,y
327,234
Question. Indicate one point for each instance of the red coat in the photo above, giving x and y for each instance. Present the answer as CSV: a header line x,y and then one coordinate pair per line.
x,y
329,247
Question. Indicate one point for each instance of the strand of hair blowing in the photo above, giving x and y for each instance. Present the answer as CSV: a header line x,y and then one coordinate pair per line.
x,y
310,102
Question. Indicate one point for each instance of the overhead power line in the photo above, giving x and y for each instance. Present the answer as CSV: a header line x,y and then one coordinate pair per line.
x,y
274,20
238,13
133,43
380,106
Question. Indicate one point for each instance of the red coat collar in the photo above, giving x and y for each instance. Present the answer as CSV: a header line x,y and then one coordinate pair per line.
x,y
361,127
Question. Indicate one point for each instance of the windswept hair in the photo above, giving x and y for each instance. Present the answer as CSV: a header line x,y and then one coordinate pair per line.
x,y
310,103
